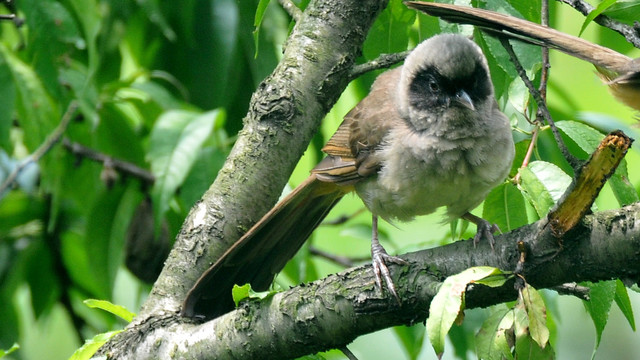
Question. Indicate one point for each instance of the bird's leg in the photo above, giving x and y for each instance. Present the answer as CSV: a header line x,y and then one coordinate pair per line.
x,y
380,258
485,229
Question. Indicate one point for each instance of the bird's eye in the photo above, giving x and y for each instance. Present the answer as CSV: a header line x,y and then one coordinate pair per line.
x,y
433,86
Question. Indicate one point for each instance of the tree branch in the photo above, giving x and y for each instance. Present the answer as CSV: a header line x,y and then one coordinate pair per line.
x,y
284,114
332,312
43,149
631,33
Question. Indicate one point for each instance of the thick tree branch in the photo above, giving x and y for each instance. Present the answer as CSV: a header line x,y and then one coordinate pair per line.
x,y
332,312
284,114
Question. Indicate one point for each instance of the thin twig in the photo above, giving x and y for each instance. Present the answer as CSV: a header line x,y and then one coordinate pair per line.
x,y
382,61
631,33
343,218
49,142
120,165
544,74
579,291
291,9
340,260
348,353
542,106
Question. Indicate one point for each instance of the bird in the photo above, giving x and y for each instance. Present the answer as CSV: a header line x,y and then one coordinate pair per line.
x,y
429,134
619,72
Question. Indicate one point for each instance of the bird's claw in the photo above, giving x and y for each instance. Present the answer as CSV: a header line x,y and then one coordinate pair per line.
x,y
485,230
380,259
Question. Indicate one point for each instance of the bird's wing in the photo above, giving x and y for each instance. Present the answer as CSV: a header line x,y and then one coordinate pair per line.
x,y
352,149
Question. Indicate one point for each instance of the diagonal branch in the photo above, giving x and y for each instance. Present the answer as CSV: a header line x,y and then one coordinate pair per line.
x,y
631,33
43,149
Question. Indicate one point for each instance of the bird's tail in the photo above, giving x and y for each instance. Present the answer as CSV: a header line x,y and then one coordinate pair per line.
x,y
265,249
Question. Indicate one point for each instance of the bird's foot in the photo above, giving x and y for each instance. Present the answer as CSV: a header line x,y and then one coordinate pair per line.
x,y
485,229
380,259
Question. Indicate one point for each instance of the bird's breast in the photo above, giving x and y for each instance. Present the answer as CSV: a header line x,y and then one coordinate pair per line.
x,y
421,173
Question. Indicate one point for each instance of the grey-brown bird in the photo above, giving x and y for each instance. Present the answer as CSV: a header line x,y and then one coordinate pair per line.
x,y
618,71
428,135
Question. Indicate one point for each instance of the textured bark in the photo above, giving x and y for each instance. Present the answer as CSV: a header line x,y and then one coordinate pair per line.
x,y
332,312
283,116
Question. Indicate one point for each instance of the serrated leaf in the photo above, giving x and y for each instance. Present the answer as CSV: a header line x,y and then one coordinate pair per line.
x,y
448,302
537,315
601,296
586,137
117,310
492,338
505,207
174,144
543,184
604,5
622,299
92,345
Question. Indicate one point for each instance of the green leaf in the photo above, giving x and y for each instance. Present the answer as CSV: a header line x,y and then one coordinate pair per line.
x,y
492,338
601,296
174,145
505,207
537,314
86,351
7,104
389,32
595,12
106,229
412,338
622,299
586,137
37,113
622,188
448,303
245,291
13,348
624,10
543,184
257,22
117,310
529,55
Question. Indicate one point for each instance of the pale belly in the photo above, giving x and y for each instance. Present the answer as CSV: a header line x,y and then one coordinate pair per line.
x,y
449,176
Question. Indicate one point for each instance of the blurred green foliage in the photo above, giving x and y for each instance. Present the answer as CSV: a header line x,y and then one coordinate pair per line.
x,y
164,86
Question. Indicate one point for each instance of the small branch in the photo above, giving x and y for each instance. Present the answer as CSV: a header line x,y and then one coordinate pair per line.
x,y
343,219
542,106
120,165
588,182
544,73
381,62
340,260
291,9
42,150
581,292
631,33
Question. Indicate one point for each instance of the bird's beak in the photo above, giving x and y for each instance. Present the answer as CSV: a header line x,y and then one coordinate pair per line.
x,y
464,99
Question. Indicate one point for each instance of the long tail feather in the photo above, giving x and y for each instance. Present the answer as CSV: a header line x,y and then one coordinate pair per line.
x,y
265,249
